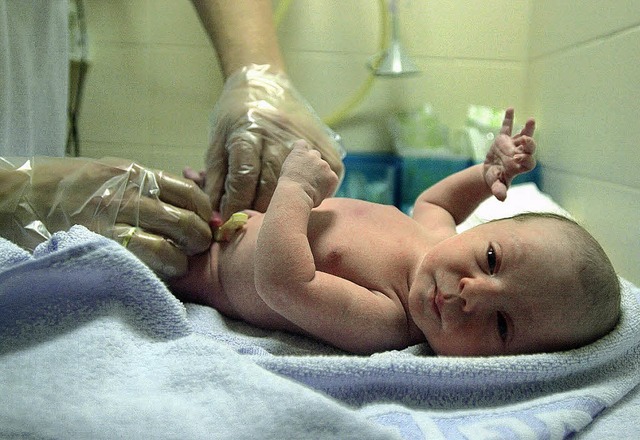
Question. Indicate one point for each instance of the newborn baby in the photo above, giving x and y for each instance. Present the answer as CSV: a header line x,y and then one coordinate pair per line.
x,y
365,277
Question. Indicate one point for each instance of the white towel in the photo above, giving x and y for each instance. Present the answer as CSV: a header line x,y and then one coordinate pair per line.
x,y
93,345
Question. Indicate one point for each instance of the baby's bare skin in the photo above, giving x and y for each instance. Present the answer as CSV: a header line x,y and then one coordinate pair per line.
x,y
344,238
365,277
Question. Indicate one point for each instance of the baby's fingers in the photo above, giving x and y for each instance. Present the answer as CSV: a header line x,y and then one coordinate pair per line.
x,y
529,128
499,190
524,144
525,162
507,122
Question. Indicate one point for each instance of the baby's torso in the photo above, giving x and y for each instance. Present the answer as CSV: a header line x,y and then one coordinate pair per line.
x,y
369,244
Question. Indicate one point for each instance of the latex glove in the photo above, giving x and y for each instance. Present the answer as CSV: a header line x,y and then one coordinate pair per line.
x,y
159,217
509,156
257,118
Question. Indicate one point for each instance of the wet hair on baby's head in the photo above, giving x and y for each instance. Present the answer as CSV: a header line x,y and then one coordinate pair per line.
x,y
597,277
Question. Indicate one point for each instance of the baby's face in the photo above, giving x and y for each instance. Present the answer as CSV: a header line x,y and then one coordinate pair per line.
x,y
500,288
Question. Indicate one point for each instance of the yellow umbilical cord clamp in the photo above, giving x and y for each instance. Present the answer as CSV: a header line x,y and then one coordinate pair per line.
x,y
235,222
126,238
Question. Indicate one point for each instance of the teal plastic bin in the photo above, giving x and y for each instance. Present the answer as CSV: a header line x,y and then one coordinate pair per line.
x,y
419,173
374,177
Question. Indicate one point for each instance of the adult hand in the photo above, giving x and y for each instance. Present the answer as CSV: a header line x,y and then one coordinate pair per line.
x,y
509,156
257,118
159,217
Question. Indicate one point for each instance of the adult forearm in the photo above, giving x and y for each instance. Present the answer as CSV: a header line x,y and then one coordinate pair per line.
x,y
242,32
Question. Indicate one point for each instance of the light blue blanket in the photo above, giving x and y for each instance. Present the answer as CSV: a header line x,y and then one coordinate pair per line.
x,y
92,345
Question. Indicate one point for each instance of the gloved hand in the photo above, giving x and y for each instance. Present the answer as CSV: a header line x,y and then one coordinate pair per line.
x,y
159,217
257,118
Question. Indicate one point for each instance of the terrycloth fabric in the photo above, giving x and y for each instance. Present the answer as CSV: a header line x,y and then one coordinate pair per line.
x,y
449,382
92,345
532,396
74,277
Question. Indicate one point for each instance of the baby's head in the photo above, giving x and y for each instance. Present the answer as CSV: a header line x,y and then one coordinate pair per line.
x,y
530,283
597,295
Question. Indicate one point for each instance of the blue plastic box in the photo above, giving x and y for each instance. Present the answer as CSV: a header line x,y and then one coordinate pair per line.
x,y
393,180
371,176
419,173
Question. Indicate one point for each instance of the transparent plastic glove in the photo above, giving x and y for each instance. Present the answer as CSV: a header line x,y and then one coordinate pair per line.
x,y
257,118
159,217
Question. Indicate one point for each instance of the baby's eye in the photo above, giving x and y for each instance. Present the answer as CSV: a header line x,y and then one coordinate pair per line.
x,y
502,326
492,260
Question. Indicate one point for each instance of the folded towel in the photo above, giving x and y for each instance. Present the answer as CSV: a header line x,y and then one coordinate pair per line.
x,y
74,277
548,395
450,382
93,345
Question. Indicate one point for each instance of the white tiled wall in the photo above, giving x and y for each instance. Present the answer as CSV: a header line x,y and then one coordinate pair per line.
x,y
574,65
584,89
154,78
152,82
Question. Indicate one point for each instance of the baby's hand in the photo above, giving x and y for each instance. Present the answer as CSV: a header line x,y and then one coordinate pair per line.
x,y
509,156
305,167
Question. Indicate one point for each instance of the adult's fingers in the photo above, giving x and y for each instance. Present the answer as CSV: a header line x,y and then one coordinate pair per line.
x,y
186,229
243,174
183,193
162,256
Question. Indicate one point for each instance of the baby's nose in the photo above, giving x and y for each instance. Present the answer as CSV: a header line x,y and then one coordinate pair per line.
x,y
476,294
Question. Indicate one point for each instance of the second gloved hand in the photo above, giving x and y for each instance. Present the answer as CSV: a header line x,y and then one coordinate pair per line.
x,y
159,217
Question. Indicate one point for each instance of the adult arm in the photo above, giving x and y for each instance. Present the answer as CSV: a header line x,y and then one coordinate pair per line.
x,y
259,113
242,32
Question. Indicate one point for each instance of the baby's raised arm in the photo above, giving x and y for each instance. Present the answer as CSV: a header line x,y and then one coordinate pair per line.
x,y
450,201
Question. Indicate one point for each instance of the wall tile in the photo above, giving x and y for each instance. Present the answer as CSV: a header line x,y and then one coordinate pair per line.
x,y
117,21
115,106
561,24
610,212
175,22
173,158
350,26
495,29
184,82
586,101
489,30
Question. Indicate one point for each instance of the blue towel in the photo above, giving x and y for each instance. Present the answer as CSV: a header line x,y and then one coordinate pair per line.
x,y
93,345
75,277
526,396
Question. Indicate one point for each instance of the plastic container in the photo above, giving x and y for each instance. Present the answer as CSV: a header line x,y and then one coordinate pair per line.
x,y
419,173
374,177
